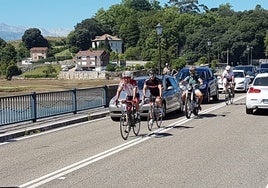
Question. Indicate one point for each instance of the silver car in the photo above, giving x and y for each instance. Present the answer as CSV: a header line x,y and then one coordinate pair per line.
x,y
171,97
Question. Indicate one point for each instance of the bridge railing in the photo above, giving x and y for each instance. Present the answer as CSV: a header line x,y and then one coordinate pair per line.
x,y
30,107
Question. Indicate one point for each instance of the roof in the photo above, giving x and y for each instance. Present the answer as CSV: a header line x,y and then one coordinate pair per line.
x,y
103,38
39,49
90,53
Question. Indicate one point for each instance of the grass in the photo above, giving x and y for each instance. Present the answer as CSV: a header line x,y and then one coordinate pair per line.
x,y
27,86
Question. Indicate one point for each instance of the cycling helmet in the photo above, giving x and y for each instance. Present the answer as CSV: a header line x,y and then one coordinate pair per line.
x,y
192,69
151,73
227,68
127,74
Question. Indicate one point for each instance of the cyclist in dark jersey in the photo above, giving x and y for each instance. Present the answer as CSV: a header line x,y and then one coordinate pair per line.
x,y
155,87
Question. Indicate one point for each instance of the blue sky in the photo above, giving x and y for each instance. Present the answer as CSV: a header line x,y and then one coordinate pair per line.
x,y
52,14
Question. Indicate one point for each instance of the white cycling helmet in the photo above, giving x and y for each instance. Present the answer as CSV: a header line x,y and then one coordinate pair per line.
x,y
127,74
227,67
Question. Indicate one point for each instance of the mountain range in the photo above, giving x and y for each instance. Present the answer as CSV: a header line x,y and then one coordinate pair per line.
x,y
8,32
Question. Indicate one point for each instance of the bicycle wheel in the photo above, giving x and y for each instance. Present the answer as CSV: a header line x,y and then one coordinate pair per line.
x,y
188,111
124,127
232,97
149,123
227,97
136,126
158,117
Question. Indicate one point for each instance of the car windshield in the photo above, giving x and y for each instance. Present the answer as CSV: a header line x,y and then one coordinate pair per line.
x,y
264,65
248,70
263,70
239,75
261,81
183,74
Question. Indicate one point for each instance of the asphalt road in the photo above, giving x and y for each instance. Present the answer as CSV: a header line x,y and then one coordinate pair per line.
x,y
223,147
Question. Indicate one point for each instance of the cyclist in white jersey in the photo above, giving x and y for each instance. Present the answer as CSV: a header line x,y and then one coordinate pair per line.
x,y
129,85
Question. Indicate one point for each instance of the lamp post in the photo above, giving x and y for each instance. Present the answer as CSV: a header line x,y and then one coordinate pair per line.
x,y
251,55
159,30
248,52
209,44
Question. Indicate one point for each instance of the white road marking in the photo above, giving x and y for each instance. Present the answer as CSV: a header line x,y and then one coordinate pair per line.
x,y
80,164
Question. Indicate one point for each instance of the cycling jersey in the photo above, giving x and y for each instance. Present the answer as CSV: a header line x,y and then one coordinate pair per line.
x,y
128,87
193,79
227,75
152,85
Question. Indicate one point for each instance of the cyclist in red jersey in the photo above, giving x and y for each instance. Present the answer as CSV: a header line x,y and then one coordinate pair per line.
x,y
129,85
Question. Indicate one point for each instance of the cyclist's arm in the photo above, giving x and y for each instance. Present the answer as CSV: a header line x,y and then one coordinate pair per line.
x,y
135,90
160,90
119,89
144,91
200,81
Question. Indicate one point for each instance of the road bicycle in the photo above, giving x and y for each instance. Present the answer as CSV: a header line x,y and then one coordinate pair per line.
x,y
229,94
129,119
154,114
191,101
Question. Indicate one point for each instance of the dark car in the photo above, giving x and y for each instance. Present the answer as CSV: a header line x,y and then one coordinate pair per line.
x,y
264,65
171,97
250,70
210,82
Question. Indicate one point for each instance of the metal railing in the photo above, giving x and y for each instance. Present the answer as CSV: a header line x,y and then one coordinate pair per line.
x,y
30,107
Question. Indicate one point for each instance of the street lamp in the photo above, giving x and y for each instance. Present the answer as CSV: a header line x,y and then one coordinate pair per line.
x,y
159,30
248,52
251,55
209,44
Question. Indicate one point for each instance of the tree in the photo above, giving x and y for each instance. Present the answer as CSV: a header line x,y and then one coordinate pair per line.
x,y
79,39
12,70
32,38
138,5
8,53
186,6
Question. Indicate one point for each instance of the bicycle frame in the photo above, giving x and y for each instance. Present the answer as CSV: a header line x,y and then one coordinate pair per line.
x,y
191,104
154,114
128,119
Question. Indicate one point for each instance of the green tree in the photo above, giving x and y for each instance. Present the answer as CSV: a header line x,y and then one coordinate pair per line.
x,y
32,38
12,70
79,39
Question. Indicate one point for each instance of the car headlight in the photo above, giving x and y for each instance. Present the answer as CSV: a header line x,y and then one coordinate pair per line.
x,y
203,86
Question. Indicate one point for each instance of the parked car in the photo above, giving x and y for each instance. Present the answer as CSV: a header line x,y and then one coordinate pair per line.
x,y
220,84
249,70
262,70
171,97
241,80
263,65
210,82
257,94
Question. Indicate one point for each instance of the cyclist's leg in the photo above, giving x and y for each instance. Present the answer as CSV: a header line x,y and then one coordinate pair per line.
x,y
199,95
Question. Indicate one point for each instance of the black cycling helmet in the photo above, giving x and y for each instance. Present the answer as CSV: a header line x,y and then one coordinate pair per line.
x,y
151,73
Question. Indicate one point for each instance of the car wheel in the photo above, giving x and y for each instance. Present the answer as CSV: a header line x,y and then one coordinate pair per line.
x,y
208,97
249,110
216,97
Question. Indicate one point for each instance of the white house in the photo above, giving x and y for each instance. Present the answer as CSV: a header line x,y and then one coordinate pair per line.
x,y
114,42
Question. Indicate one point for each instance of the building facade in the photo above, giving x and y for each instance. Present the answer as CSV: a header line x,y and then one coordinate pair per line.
x,y
92,59
115,43
38,53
